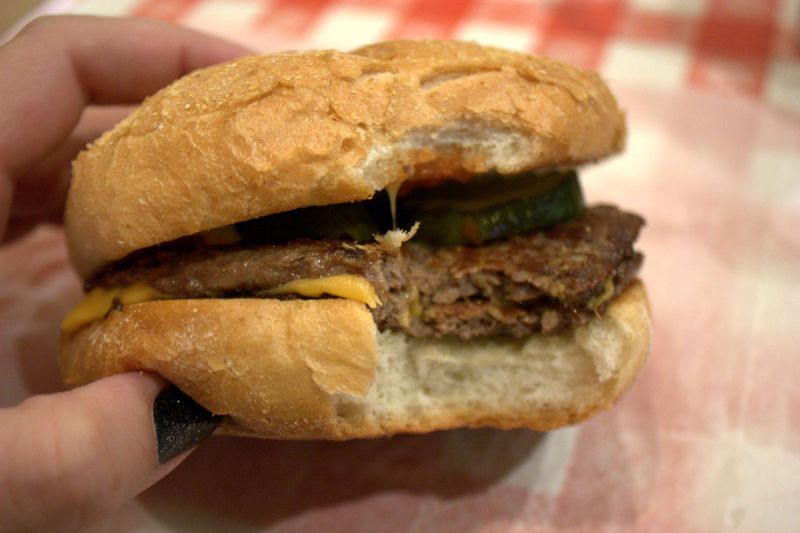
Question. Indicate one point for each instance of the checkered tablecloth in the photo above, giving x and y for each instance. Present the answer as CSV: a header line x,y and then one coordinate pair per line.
x,y
709,437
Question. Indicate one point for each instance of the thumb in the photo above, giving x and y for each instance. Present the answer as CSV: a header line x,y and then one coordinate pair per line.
x,y
70,458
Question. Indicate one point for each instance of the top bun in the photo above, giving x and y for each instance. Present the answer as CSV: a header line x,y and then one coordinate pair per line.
x,y
266,134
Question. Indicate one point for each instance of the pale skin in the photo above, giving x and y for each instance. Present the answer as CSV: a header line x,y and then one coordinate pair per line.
x,y
70,458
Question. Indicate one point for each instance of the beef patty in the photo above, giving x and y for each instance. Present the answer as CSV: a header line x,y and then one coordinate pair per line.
x,y
544,281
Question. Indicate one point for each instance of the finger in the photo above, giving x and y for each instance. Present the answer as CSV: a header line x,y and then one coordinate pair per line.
x,y
52,174
56,65
60,64
69,458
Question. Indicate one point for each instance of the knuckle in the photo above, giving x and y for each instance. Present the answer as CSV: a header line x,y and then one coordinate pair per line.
x,y
41,25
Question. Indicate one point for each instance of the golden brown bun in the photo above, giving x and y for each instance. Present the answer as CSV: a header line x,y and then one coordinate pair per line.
x,y
319,369
267,134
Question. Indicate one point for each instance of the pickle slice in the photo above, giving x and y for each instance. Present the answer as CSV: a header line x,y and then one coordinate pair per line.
x,y
351,221
490,207
485,191
563,201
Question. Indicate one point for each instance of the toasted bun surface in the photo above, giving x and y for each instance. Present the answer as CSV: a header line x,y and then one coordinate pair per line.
x,y
267,134
319,369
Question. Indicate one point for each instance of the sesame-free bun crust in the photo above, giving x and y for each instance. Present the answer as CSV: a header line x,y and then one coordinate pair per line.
x,y
319,369
266,134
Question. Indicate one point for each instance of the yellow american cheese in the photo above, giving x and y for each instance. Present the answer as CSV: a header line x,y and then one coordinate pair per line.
x,y
600,299
99,301
344,286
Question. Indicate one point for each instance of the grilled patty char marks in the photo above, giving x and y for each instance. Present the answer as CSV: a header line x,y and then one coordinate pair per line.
x,y
544,281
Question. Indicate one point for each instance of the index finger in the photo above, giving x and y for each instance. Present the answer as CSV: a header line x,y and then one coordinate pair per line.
x,y
57,65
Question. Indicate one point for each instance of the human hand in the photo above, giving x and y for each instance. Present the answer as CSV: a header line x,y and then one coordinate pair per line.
x,y
69,458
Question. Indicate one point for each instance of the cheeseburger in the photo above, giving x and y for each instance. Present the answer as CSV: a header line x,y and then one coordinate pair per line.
x,y
341,245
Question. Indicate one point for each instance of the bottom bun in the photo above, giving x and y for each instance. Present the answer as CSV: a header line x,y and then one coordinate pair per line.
x,y
302,369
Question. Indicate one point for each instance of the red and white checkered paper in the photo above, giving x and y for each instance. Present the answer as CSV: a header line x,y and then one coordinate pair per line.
x,y
709,437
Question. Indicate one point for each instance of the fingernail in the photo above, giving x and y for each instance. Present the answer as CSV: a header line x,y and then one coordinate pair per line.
x,y
180,422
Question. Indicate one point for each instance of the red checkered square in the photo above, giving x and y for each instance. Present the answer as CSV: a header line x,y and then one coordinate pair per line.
x,y
396,5
291,16
512,12
734,37
430,19
727,76
731,53
754,10
786,44
576,49
577,32
656,27
597,19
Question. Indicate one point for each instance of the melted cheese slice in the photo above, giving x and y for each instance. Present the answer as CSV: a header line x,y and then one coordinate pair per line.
x,y
603,297
344,286
99,301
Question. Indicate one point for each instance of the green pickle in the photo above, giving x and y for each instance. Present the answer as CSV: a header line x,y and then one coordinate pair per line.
x,y
487,208
469,218
351,221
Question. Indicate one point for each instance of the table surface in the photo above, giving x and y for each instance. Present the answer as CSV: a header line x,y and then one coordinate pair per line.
x,y
708,439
